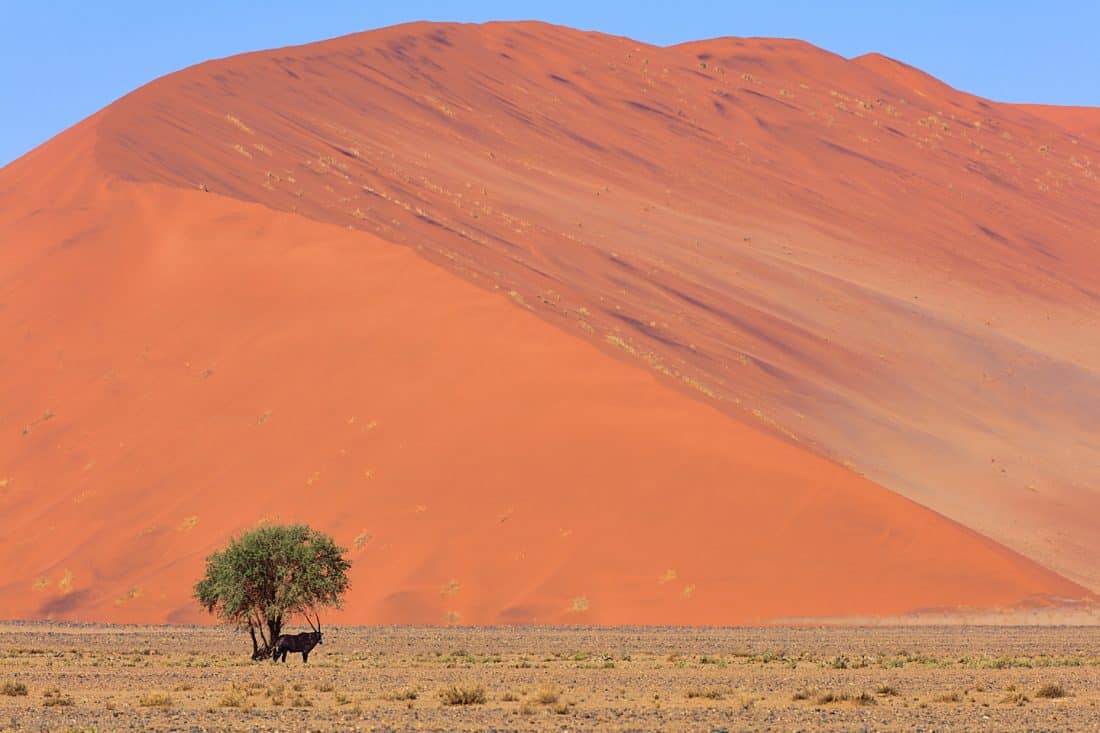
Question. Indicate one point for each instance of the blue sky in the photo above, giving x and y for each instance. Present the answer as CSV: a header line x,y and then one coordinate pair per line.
x,y
61,60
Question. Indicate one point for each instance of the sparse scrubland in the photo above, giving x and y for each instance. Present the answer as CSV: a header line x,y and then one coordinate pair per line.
x,y
888,678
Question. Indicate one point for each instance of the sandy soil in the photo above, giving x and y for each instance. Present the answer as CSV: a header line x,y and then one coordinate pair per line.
x,y
960,678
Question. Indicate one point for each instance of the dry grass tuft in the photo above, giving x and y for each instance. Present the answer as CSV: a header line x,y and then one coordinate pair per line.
x,y
864,698
887,691
155,700
710,693
828,698
562,708
14,689
1051,691
275,694
231,700
233,120
298,700
547,696
456,695
405,693
54,698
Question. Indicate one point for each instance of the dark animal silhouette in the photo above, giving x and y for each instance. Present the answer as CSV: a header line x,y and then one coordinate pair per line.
x,y
302,643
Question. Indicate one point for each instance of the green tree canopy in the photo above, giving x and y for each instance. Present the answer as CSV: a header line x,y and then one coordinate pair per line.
x,y
271,573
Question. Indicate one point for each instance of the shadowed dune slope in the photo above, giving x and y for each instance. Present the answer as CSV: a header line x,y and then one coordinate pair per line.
x,y
1083,121
187,365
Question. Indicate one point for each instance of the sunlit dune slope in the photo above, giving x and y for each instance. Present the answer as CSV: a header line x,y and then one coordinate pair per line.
x,y
182,366
847,253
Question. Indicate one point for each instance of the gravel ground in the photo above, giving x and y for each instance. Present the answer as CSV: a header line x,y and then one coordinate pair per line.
x,y
101,678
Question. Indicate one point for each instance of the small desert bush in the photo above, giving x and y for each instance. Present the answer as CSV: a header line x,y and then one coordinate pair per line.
x,y
14,689
804,694
275,694
547,696
827,698
155,700
1051,691
999,663
948,697
53,698
456,695
710,693
864,698
298,700
232,700
406,693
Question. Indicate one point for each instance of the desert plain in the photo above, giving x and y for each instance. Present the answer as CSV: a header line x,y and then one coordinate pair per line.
x,y
593,354
105,678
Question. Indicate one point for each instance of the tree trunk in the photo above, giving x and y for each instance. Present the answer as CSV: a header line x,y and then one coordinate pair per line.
x,y
262,648
274,628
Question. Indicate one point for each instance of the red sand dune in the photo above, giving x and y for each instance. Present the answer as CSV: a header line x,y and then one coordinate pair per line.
x,y
709,274
1083,121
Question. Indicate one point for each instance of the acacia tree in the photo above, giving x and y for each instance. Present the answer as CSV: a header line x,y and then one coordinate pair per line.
x,y
269,574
